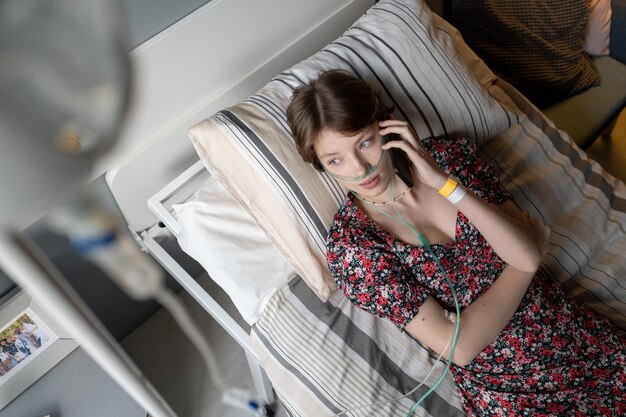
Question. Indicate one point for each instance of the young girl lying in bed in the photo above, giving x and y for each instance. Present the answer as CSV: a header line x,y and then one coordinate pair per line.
x,y
523,347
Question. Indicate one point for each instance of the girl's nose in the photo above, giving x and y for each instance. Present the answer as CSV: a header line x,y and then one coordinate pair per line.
x,y
361,166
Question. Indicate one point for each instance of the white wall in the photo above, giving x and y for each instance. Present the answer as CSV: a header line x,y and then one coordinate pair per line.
x,y
146,18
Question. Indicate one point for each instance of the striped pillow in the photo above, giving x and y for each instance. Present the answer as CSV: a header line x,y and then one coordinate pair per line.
x,y
421,65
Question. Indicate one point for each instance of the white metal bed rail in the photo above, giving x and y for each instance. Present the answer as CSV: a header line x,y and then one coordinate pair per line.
x,y
148,242
156,202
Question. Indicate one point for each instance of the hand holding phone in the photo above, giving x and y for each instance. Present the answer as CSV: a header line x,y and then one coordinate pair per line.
x,y
399,161
410,159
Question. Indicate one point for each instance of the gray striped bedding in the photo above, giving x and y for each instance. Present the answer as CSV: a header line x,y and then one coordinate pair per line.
x,y
334,356
324,355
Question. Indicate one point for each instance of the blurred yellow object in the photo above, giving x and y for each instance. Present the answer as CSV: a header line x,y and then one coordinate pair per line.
x,y
68,141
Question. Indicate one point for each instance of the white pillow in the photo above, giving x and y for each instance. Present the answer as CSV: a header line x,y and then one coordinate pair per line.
x,y
224,238
599,28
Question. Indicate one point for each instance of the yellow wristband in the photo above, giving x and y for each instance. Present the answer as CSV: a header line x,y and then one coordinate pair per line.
x,y
448,187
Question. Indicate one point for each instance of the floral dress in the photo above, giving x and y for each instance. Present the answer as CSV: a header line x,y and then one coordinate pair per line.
x,y
554,358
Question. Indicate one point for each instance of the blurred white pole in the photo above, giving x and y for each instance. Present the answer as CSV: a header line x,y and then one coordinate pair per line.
x,y
37,276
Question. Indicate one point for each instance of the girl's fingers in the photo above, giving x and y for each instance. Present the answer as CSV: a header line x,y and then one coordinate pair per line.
x,y
416,156
426,169
393,126
401,144
405,132
392,122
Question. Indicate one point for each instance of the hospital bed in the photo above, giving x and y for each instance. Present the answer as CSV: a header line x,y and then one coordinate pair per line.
x,y
255,217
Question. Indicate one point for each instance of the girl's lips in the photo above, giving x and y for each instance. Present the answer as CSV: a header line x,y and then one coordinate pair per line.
x,y
371,183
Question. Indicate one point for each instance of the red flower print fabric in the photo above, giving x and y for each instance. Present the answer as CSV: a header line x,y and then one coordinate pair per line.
x,y
554,358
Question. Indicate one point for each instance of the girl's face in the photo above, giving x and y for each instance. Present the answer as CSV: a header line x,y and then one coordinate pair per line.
x,y
347,157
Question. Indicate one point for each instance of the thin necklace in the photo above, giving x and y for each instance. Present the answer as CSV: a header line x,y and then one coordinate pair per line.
x,y
390,201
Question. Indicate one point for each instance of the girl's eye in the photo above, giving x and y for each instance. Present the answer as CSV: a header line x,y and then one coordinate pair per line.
x,y
365,143
332,162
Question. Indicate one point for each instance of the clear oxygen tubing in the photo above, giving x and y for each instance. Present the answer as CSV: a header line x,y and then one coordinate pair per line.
x,y
422,239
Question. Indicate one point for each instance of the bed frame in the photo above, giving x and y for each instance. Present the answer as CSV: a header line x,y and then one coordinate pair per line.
x,y
177,84
176,191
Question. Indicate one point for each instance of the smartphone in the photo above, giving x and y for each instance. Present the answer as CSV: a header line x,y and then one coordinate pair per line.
x,y
399,161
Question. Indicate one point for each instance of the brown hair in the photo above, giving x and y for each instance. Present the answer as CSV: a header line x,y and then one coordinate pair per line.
x,y
337,101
